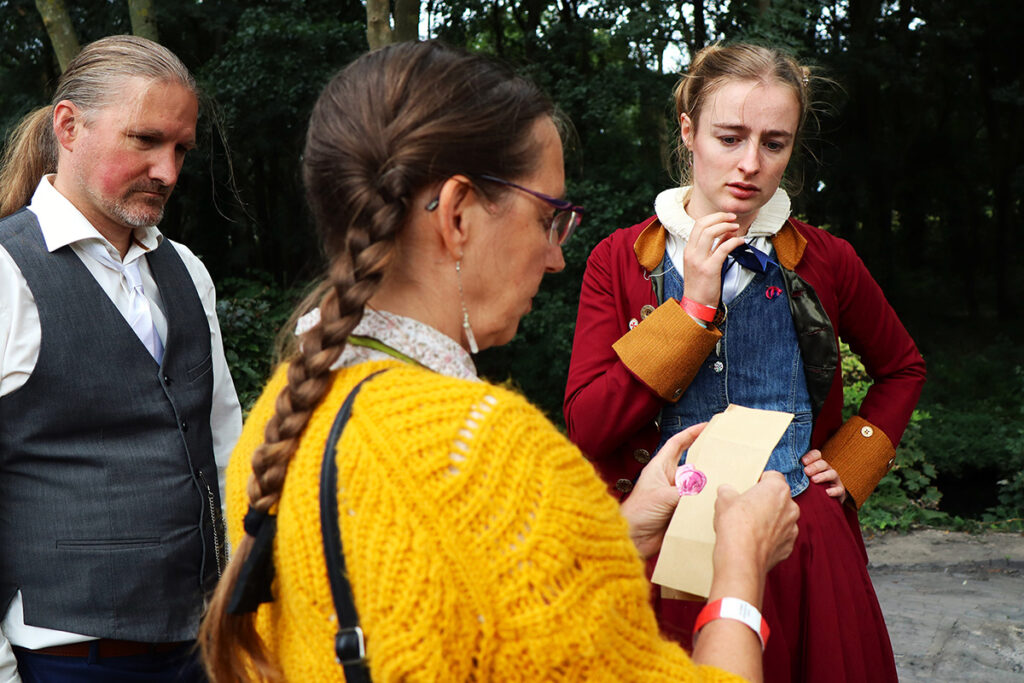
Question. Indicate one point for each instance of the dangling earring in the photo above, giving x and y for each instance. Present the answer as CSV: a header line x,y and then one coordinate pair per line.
x,y
473,348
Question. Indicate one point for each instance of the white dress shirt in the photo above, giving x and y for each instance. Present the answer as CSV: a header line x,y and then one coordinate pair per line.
x,y
20,337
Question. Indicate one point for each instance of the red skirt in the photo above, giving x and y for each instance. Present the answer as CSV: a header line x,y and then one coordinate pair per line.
x,y
825,621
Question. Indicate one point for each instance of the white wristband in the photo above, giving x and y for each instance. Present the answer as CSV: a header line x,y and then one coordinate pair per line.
x,y
739,610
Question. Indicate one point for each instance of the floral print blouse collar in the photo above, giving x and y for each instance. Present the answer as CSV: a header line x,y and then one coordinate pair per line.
x,y
419,341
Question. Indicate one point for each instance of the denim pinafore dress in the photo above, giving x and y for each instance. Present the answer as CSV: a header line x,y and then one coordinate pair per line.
x,y
756,363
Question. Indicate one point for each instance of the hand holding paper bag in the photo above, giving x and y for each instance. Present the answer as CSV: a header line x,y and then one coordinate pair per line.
x,y
757,528
655,496
731,451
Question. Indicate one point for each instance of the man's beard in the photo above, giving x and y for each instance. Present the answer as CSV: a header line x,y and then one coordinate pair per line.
x,y
138,213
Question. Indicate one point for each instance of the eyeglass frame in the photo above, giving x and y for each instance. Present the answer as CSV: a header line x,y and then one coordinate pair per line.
x,y
561,205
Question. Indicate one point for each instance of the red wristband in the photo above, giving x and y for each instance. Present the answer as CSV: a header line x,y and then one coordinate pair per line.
x,y
734,608
699,311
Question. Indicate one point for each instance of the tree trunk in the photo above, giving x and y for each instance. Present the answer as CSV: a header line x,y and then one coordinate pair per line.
x,y
143,19
407,20
700,27
497,17
378,23
59,29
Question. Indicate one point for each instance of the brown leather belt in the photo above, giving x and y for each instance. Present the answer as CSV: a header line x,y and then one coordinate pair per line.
x,y
110,648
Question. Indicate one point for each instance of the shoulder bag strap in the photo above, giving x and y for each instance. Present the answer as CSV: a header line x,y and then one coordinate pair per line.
x,y
349,642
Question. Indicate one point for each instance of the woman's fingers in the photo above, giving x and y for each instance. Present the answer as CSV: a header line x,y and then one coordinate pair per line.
x,y
667,459
727,496
653,499
762,519
820,472
708,233
785,528
711,240
707,228
837,491
816,467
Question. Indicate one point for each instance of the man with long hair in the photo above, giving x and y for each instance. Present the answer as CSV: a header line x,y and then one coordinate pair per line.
x,y
114,391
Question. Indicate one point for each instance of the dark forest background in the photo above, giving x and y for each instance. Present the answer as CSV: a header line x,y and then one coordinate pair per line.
x,y
916,160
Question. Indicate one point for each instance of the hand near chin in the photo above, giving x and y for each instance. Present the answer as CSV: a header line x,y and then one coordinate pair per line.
x,y
712,239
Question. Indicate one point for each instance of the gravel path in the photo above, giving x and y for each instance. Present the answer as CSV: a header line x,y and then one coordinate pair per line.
x,y
954,604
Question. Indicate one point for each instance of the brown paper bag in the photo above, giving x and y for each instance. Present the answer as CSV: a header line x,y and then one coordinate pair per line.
x,y
733,449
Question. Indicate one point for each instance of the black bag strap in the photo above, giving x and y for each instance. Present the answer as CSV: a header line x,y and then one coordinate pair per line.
x,y
349,642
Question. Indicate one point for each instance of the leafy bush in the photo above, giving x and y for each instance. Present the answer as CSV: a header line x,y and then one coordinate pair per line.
x,y
1008,513
980,430
906,496
251,311
978,402
976,437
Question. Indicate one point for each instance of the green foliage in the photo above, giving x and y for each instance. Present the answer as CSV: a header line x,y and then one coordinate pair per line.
x,y
971,428
261,83
1008,513
906,497
978,403
977,435
251,312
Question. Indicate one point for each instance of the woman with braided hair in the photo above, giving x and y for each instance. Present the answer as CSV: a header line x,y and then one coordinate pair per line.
x,y
476,542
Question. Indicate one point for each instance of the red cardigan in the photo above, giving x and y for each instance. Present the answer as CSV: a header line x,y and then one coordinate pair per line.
x,y
620,377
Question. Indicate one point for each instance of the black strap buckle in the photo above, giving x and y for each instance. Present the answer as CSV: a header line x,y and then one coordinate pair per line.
x,y
350,646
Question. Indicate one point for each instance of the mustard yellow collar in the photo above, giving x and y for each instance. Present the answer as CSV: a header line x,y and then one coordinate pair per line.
x,y
649,246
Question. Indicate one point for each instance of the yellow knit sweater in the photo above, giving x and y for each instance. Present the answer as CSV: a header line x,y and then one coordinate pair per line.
x,y
480,544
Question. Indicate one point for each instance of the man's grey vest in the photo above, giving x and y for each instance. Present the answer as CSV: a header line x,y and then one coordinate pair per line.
x,y
109,505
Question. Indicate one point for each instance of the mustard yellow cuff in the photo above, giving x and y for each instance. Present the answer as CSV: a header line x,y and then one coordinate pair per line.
x,y
862,454
665,351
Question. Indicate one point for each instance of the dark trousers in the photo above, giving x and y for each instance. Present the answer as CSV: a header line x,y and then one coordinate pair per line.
x,y
181,665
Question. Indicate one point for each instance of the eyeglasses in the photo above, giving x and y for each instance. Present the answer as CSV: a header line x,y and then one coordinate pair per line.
x,y
566,219
567,216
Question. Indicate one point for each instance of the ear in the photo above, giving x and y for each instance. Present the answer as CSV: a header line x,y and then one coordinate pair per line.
x,y
67,123
686,129
457,205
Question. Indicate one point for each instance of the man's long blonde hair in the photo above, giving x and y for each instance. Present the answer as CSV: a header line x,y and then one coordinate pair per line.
x,y
93,80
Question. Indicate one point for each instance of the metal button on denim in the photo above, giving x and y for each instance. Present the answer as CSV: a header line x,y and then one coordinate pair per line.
x,y
719,366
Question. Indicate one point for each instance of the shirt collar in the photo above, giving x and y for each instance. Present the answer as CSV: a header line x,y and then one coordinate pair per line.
x,y
62,224
419,341
670,206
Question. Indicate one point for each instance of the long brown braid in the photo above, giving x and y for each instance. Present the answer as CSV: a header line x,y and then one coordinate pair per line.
x,y
389,125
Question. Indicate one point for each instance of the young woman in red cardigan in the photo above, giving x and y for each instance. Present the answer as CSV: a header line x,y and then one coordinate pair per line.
x,y
722,297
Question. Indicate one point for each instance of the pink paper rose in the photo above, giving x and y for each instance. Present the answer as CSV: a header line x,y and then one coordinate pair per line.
x,y
689,480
